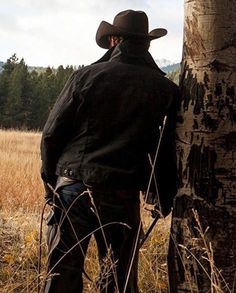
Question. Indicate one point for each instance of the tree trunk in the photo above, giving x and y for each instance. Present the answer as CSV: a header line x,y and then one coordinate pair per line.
x,y
202,252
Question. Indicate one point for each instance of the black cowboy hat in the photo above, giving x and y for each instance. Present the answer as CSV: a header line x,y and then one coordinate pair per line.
x,y
127,23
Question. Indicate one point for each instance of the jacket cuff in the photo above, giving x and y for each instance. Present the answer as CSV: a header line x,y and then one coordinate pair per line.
x,y
49,185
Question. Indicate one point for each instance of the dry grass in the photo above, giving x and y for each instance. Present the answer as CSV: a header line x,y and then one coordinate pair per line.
x,y
21,199
20,183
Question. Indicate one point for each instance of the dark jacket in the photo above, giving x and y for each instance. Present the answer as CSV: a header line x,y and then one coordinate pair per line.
x,y
106,121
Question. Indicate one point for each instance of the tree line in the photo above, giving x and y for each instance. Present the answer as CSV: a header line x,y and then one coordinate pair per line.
x,y
26,96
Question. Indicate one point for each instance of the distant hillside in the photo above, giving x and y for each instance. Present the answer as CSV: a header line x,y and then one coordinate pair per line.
x,y
165,65
171,67
36,68
163,62
30,68
39,69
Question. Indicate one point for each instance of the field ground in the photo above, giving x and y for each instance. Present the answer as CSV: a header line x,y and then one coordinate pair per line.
x,y
21,201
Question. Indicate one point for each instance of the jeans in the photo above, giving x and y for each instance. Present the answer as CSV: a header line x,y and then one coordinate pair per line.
x,y
113,217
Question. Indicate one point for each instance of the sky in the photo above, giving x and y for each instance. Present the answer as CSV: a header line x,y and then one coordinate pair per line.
x,y
62,32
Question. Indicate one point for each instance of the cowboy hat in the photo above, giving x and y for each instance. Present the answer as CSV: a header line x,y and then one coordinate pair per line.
x,y
127,23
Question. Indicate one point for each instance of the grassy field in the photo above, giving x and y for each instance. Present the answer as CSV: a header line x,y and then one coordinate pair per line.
x,y
21,201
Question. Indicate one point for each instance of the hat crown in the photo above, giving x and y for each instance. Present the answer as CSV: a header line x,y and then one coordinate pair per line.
x,y
128,23
132,21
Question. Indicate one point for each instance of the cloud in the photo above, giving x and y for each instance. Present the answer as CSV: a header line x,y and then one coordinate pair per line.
x,y
63,32
82,6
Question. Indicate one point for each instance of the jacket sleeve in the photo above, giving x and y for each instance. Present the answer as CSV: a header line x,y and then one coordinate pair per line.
x,y
166,165
57,131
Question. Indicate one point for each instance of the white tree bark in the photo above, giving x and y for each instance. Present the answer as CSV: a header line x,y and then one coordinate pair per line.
x,y
206,148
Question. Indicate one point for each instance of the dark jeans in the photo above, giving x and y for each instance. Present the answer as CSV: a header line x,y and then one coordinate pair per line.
x,y
79,214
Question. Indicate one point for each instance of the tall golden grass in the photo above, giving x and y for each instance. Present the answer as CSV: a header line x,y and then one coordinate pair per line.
x,y
20,184
21,200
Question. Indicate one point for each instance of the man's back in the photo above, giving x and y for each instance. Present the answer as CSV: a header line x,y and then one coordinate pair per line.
x,y
95,155
114,119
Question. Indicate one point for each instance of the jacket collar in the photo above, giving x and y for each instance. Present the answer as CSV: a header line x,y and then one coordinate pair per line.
x,y
106,56
130,53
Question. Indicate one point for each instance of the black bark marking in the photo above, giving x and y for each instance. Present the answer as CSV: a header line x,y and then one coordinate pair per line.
x,y
230,141
225,101
180,168
218,66
191,138
227,141
209,101
201,172
195,124
230,92
192,91
209,122
206,80
218,90
200,93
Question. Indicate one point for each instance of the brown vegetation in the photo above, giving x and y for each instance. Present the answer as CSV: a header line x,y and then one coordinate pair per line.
x,y
21,200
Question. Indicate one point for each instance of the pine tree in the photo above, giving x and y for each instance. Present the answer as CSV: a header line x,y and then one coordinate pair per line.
x,y
8,68
16,106
27,97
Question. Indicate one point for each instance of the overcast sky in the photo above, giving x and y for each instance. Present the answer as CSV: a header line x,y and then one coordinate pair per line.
x,y
54,32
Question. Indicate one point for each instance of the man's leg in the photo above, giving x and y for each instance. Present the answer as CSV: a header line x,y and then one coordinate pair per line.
x,y
122,208
72,221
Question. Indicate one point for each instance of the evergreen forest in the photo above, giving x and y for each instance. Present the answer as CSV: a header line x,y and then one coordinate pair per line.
x,y
26,96
28,93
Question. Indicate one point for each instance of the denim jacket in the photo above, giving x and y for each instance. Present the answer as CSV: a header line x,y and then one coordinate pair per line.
x,y
106,121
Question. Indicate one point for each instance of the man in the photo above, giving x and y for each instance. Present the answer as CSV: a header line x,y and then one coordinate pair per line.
x,y
95,148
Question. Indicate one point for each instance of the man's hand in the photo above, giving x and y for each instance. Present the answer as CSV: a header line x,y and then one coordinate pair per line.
x,y
150,198
49,198
49,193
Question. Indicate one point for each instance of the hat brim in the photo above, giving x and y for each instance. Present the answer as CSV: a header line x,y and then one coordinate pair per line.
x,y
106,29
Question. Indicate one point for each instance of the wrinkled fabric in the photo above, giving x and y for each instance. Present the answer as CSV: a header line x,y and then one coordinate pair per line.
x,y
99,134
76,216
106,121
